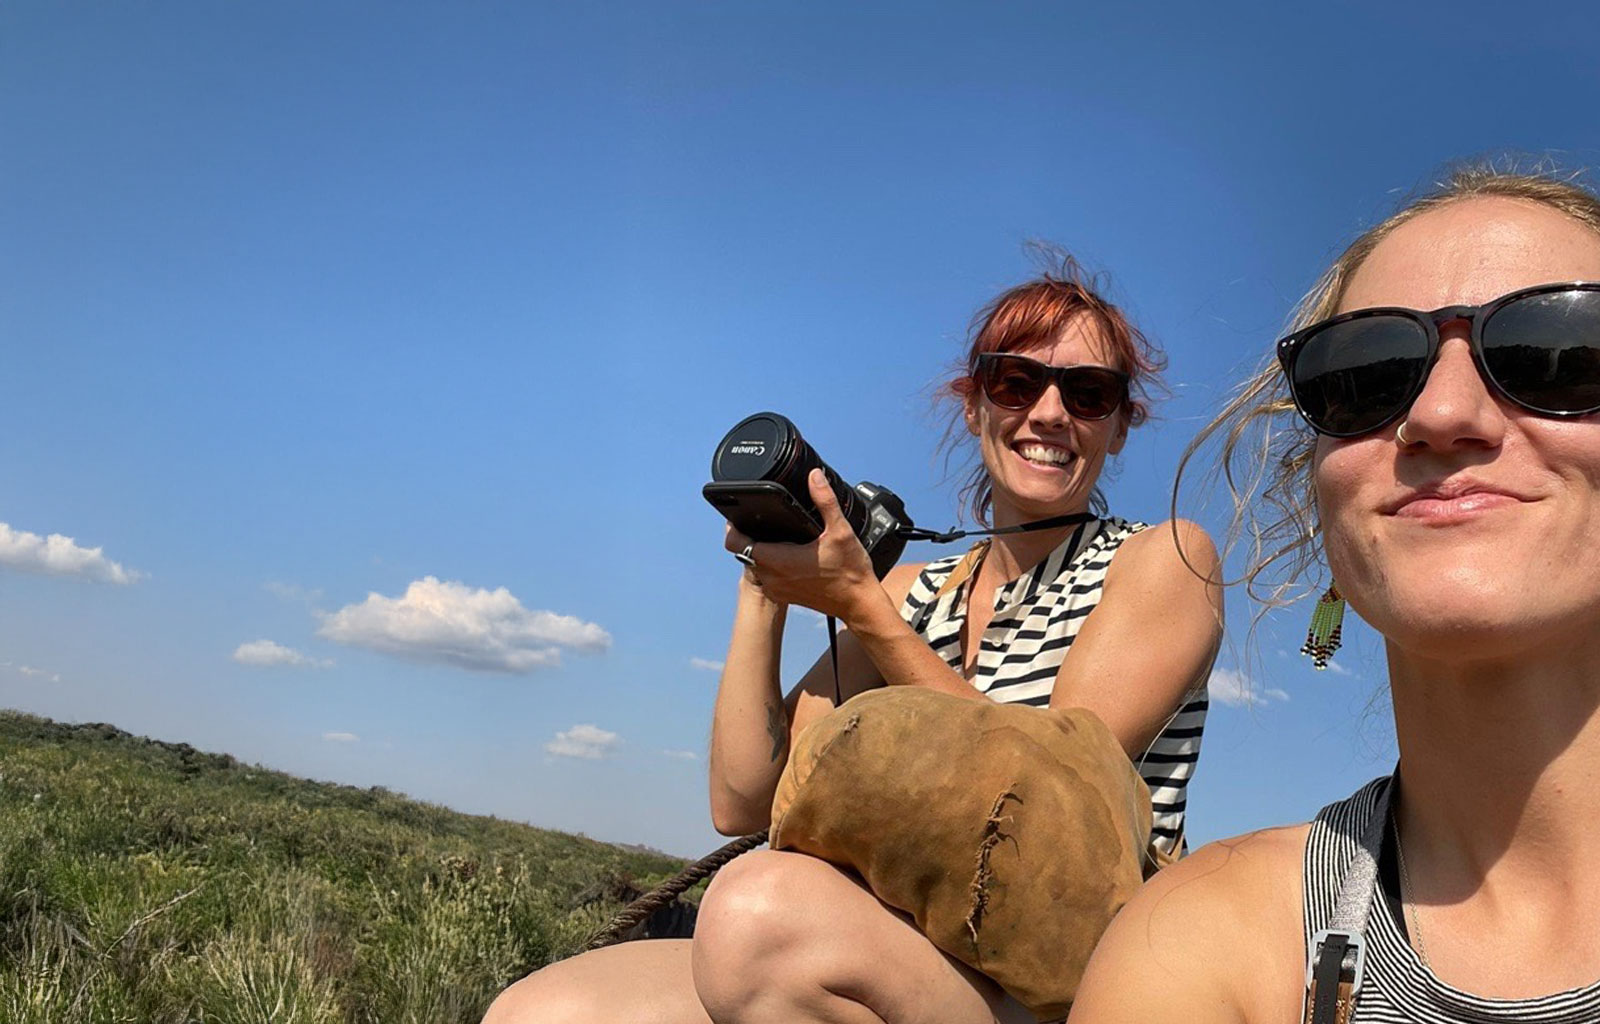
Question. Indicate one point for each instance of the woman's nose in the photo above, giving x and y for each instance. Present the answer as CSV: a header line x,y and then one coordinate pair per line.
x,y
1455,407
1049,409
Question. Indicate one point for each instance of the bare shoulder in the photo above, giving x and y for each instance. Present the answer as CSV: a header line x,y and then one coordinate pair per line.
x,y
1215,937
1175,543
1209,882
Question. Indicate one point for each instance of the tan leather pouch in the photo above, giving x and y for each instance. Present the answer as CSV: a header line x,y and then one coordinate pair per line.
x,y
1011,834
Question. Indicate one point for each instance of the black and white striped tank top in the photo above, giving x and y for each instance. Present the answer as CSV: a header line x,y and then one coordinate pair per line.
x,y
1036,618
1397,988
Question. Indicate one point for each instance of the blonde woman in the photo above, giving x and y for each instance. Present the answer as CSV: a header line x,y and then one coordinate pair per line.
x,y
1445,463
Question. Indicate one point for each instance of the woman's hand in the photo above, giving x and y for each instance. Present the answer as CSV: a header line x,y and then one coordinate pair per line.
x,y
831,575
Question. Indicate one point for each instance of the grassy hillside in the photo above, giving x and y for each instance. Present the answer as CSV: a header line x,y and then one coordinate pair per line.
x,y
150,882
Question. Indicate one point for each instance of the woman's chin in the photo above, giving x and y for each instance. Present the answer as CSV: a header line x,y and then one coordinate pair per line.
x,y
1488,624
1040,503
1036,502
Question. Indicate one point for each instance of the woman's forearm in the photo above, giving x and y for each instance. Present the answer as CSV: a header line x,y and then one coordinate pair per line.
x,y
900,654
749,726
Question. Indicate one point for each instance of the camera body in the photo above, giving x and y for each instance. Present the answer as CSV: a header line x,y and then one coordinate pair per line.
x,y
758,483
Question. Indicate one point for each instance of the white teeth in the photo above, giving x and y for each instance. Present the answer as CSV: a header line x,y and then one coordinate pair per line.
x,y
1044,453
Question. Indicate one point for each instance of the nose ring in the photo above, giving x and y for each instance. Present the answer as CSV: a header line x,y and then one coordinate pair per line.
x,y
1400,435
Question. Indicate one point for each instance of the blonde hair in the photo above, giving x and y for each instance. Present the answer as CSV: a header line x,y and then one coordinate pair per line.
x,y
1265,459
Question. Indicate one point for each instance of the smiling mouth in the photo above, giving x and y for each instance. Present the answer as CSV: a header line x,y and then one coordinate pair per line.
x,y
1045,455
1439,509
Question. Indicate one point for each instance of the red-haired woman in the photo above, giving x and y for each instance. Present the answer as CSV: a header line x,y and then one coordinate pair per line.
x,y
1054,378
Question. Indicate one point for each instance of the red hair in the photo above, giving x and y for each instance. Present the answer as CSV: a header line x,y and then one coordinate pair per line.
x,y
1035,313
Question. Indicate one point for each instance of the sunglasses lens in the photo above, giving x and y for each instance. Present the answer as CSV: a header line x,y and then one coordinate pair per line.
x,y
1012,382
1354,376
1092,394
1543,350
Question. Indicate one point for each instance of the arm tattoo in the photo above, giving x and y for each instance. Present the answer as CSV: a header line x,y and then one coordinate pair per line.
x,y
778,729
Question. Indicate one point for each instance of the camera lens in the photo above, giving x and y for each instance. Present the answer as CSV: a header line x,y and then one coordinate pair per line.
x,y
768,446
755,449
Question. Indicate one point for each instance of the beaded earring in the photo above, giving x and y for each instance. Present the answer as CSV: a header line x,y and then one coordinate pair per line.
x,y
1327,621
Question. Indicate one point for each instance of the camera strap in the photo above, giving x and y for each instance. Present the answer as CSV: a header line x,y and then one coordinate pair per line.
x,y
946,537
953,534
833,655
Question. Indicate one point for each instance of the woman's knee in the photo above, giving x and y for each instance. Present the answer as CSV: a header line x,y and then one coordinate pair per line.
x,y
769,899
766,927
644,982
545,996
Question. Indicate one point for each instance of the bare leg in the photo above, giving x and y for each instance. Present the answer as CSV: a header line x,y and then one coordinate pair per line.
x,y
783,938
643,982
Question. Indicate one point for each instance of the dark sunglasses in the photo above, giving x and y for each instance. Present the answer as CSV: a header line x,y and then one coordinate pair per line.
x,y
1537,347
1016,382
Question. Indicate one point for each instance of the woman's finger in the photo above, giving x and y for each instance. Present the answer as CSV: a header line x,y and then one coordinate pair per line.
x,y
826,501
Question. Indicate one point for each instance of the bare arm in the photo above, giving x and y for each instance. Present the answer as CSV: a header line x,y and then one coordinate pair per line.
x,y
749,737
1151,639
1213,939
752,722
1158,587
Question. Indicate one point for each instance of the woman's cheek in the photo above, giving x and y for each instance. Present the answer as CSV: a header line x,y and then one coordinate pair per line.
x,y
1336,473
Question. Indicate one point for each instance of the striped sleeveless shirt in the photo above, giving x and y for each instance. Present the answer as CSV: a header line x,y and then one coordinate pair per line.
x,y
1397,988
1036,618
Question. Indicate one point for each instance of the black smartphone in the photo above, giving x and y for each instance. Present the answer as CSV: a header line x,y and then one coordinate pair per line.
x,y
763,511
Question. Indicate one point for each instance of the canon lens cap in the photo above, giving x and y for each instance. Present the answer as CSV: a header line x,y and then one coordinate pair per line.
x,y
753,448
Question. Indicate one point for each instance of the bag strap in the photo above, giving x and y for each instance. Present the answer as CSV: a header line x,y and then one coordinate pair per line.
x,y
1337,956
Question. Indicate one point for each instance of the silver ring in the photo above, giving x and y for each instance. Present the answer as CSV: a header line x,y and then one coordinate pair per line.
x,y
746,556
1400,435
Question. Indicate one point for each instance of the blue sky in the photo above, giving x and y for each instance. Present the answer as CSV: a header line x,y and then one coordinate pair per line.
x,y
372,356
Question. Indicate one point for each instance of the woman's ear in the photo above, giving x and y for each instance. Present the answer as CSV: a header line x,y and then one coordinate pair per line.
x,y
969,412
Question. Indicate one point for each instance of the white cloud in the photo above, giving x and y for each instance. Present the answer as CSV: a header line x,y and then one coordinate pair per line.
x,y
35,673
585,741
268,653
705,663
341,737
451,623
681,755
1338,669
1231,687
58,555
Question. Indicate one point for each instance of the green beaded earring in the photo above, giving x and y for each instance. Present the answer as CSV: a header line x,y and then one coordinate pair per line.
x,y
1327,620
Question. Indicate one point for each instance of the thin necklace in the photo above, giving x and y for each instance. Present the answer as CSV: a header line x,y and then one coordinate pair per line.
x,y
1406,902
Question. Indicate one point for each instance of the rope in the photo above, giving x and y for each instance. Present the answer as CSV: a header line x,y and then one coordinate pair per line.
x,y
671,889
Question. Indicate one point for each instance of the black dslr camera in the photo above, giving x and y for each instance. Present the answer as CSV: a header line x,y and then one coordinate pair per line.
x,y
758,483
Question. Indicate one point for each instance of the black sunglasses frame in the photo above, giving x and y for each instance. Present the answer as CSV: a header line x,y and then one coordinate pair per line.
x,y
1060,376
1290,347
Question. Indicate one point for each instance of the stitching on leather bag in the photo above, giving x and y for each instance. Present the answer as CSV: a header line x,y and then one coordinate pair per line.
x,y
978,893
